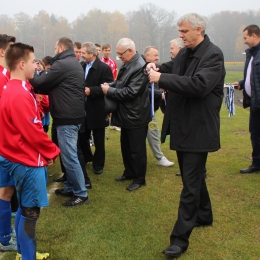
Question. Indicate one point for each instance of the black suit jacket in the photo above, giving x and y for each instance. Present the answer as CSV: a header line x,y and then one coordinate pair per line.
x,y
99,73
195,94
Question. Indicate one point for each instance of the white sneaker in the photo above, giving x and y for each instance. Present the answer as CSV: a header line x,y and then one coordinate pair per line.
x,y
13,234
112,127
165,162
11,247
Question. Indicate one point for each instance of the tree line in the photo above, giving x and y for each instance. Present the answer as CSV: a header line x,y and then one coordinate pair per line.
x,y
148,25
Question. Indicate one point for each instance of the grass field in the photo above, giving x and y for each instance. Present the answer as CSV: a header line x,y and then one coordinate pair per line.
x,y
235,67
122,225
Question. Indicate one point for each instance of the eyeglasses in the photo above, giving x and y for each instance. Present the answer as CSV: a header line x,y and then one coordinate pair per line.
x,y
121,54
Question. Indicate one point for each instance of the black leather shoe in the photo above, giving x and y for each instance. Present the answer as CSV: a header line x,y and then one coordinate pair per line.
x,y
134,186
122,178
98,171
197,224
178,174
174,251
88,185
61,179
62,192
250,169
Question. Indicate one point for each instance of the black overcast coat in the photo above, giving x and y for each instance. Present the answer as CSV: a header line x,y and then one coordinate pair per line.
x,y
194,100
64,83
98,74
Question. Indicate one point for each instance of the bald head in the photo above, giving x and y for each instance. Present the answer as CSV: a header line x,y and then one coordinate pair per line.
x,y
151,54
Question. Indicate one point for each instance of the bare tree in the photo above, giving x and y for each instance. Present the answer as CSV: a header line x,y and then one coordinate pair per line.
x,y
152,25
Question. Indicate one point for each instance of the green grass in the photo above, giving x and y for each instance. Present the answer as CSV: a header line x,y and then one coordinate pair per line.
x,y
122,225
233,76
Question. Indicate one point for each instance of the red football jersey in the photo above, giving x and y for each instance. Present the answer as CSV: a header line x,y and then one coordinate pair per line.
x,y
22,138
4,78
112,64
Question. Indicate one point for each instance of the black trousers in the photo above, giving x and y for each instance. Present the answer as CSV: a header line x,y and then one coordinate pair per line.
x,y
195,205
254,128
79,152
133,148
98,160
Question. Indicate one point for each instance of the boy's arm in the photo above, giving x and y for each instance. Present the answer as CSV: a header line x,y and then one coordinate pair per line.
x,y
25,119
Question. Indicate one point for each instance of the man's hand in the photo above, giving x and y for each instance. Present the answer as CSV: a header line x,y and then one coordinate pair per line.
x,y
87,91
105,88
151,65
236,85
154,76
163,96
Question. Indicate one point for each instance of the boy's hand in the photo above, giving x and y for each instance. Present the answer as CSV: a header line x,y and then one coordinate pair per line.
x,y
50,162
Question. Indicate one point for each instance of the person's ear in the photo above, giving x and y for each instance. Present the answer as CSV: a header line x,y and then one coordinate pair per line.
x,y
199,30
2,52
22,64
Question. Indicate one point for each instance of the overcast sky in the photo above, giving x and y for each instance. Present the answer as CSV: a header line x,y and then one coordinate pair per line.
x,y
72,9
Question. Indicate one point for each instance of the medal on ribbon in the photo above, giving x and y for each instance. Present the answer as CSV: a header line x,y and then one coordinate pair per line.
x,y
152,125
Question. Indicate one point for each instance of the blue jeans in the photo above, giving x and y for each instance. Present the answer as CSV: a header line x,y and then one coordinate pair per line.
x,y
67,139
254,128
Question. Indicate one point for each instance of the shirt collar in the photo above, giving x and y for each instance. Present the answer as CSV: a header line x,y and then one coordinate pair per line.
x,y
90,63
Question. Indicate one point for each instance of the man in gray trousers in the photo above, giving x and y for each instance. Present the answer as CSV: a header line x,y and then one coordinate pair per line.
x,y
151,55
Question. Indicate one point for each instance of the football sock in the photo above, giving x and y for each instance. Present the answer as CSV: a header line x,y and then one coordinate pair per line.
x,y
16,225
5,222
27,239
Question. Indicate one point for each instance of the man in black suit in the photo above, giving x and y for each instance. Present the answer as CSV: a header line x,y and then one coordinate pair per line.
x,y
194,81
96,118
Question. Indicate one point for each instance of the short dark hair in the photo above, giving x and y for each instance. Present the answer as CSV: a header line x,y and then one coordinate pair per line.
x,y
97,45
46,60
252,28
77,45
5,40
105,46
66,43
16,52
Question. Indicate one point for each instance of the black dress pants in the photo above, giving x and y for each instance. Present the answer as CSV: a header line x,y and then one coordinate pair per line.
x,y
195,205
133,148
98,160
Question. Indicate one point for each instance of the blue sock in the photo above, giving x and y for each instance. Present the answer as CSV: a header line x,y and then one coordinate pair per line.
x,y
26,237
16,225
5,222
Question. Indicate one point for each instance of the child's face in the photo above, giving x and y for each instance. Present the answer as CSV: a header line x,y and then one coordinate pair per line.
x,y
30,66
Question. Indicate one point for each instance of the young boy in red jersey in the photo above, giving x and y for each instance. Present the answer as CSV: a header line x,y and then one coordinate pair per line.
x,y
25,149
7,243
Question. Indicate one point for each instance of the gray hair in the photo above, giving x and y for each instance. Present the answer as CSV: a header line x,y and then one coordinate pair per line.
x,y
127,43
148,48
195,21
178,42
90,46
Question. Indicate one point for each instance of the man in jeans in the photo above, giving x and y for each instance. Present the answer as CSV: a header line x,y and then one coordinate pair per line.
x,y
64,83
